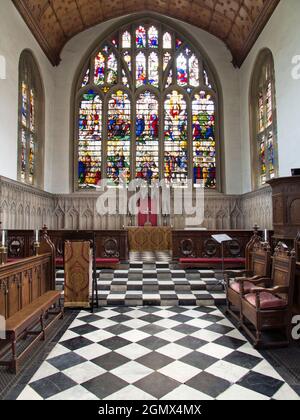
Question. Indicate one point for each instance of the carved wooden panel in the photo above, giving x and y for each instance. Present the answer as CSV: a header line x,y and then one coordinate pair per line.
x,y
21,281
286,207
200,244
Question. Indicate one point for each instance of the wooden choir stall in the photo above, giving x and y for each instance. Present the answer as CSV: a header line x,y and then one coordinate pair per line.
x,y
28,302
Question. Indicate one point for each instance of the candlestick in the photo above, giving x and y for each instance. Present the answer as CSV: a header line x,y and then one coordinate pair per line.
x,y
37,235
266,235
3,239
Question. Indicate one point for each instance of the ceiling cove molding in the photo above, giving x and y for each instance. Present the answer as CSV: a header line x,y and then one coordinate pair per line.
x,y
238,23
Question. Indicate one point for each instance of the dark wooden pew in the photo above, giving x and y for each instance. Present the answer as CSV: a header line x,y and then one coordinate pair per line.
x,y
111,245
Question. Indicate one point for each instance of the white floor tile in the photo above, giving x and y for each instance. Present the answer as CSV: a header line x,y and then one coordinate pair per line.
x,y
215,350
132,372
130,393
179,371
228,371
45,370
28,394
133,351
174,350
77,393
84,372
92,352
184,392
239,393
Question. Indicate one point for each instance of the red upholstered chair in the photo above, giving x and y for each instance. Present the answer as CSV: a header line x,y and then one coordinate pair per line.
x,y
257,274
265,309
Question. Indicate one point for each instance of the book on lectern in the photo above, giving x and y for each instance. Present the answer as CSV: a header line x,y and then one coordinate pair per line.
x,y
221,238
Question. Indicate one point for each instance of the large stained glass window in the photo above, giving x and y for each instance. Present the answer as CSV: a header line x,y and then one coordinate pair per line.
x,y
264,150
142,96
30,121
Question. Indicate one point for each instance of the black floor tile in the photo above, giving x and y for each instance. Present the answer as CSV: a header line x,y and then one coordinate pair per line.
x,y
209,384
261,383
76,343
191,342
111,361
157,385
104,385
199,360
153,343
115,343
155,360
242,359
66,361
52,385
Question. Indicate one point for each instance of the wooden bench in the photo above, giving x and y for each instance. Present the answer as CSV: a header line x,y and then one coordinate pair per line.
x,y
23,323
214,263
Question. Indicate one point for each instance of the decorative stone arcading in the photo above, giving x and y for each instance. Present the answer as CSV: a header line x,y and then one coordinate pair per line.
x,y
257,208
25,207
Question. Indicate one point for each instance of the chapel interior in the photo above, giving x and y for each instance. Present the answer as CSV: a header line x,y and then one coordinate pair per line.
x,y
149,200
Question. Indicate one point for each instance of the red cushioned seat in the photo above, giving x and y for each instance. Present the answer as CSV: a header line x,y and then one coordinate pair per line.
x,y
107,261
212,260
267,301
248,286
59,261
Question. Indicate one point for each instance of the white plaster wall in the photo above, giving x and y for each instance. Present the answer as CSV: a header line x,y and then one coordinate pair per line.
x,y
282,37
72,55
14,38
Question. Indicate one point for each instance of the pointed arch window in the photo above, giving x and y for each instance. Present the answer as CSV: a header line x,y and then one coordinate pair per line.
x,y
31,122
264,120
142,95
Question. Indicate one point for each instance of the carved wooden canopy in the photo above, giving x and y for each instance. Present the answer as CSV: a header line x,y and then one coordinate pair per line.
x,y
237,22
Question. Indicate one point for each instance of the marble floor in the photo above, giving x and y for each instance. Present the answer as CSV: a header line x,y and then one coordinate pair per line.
x,y
155,353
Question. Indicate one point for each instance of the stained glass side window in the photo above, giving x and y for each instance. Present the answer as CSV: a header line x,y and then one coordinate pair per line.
x,y
175,136
147,137
30,120
265,156
119,137
90,141
204,143
28,134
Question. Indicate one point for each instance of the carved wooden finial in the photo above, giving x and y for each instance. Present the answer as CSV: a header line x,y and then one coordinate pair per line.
x,y
45,230
256,228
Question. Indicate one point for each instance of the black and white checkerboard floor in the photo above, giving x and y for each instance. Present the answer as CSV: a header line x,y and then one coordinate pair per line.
x,y
157,284
155,353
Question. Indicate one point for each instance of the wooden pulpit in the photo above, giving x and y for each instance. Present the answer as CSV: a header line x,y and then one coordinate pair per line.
x,y
78,274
